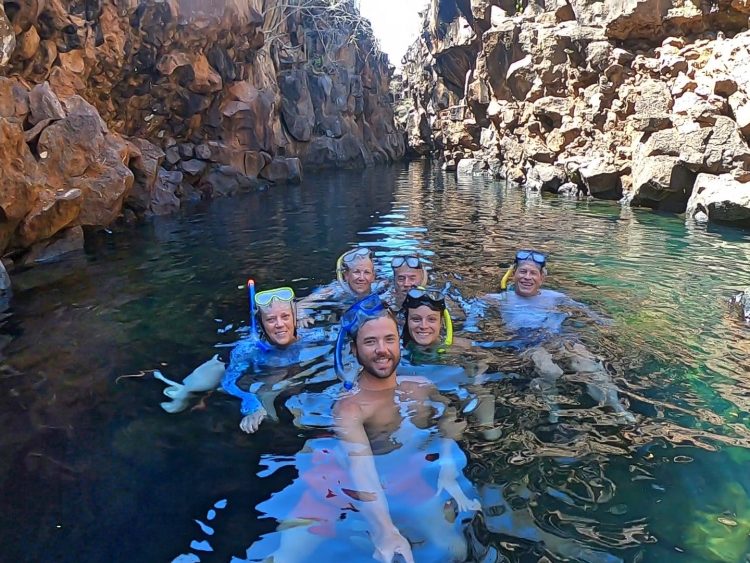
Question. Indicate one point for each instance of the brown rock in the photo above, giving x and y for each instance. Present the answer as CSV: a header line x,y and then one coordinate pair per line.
x,y
72,61
721,198
602,179
52,212
206,79
27,44
661,182
22,178
14,99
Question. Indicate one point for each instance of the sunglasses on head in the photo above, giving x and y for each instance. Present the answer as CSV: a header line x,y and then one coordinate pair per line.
x,y
356,254
533,255
410,261
265,298
366,307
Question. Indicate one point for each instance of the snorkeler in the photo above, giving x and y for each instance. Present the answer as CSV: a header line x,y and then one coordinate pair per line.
x,y
535,316
408,272
275,344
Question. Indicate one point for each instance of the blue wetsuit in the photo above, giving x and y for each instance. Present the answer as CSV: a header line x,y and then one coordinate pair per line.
x,y
261,355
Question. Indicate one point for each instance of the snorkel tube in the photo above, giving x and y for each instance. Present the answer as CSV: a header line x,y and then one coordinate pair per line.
x,y
506,278
338,362
448,322
264,346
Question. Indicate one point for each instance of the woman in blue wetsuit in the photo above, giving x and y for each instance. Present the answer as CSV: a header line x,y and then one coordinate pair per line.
x,y
276,344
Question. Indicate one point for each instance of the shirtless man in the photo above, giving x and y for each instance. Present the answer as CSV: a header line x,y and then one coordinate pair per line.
x,y
374,413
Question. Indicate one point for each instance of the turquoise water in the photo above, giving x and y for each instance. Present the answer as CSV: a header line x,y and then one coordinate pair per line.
x,y
92,469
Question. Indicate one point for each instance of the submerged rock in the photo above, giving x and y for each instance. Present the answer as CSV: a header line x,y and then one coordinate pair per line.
x,y
740,303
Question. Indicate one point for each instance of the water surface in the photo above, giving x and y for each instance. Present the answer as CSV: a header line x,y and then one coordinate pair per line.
x,y
93,470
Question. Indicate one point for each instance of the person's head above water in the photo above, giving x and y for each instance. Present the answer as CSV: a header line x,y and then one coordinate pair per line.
x,y
372,330
376,346
278,319
357,271
426,314
408,272
529,272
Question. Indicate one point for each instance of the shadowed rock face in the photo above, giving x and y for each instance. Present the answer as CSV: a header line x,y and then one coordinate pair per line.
x,y
109,106
623,98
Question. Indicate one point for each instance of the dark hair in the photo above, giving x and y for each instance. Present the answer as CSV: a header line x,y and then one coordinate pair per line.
x,y
385,312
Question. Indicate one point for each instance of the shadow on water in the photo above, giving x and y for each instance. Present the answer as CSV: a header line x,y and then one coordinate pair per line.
x,y
93,470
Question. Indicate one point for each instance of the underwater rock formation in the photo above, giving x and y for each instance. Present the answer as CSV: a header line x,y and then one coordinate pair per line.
x,y
114,109
637,99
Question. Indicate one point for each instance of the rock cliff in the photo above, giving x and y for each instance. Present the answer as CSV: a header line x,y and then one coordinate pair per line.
x,y
632,99
112,109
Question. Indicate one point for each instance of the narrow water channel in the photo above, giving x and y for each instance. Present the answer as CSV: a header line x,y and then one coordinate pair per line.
x,y
92,469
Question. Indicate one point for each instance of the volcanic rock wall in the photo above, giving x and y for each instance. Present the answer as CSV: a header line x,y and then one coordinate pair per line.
x,y
112,109
637,99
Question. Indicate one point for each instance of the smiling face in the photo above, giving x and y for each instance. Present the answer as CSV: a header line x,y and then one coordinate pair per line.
x,y
278,323
377,347
528,278
424,325
359,276
404,278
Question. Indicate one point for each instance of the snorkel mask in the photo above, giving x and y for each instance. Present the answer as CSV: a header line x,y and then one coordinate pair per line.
x,y
346,260
265,299
433,299
366,309
412,262
522,256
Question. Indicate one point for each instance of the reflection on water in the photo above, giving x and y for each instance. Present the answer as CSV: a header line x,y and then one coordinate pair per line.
x,y
89,465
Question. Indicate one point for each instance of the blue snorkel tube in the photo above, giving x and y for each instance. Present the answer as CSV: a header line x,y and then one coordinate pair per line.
x,y
264,346
338,362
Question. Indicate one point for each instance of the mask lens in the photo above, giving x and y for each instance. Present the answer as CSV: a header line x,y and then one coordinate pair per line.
x,y
537,257
411,261
356,254
264,298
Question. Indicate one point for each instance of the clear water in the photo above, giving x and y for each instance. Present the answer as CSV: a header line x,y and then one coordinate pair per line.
x,y
93,470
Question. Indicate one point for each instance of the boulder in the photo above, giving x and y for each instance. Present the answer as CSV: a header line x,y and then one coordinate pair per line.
x,y
51,213
14,99
145,163
721,198
545,178
470,167
283,170
552,109
661,182
64,242
44,104
601,178
164,198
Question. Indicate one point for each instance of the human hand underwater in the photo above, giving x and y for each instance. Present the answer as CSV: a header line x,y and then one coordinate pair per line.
x,y
251,422
391,543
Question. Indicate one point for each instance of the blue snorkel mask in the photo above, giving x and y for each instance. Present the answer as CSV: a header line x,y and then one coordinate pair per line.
x,y
366,309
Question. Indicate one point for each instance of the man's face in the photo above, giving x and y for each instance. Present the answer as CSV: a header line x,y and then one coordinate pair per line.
x,y
528,279
360,275
405,278
424,325
278,322
377,348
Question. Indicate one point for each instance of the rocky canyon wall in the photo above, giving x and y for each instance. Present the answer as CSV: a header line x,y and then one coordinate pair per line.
x,y
113,109
647,101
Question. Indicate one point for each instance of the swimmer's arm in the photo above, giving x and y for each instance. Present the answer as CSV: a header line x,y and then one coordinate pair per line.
x,y
374,506
570,303
239,362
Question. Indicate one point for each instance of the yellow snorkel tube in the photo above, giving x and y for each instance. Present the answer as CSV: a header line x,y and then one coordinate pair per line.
x,y
506,278
448,322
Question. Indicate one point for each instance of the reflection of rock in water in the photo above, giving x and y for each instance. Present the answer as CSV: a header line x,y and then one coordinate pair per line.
x,y
513,517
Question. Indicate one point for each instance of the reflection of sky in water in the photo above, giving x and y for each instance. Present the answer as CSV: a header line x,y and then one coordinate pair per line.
x,y
106,467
